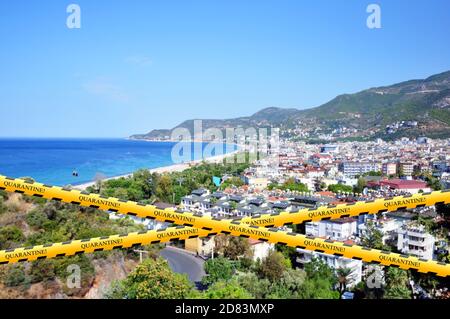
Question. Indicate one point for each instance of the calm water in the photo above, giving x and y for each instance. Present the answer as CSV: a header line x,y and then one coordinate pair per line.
x,y
52,161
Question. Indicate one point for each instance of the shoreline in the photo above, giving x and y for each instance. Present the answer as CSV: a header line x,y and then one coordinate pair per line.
x,y
165,169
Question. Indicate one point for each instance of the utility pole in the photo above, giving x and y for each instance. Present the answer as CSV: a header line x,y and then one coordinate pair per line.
x,y
141,252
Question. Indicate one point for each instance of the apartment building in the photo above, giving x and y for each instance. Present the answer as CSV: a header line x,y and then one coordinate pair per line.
x,y
406,168
336,229
256,182
329,148
387,226
414,240
389,168
335,262
352,169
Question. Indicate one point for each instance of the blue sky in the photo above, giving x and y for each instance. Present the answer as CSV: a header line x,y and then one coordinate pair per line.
x,y
139,65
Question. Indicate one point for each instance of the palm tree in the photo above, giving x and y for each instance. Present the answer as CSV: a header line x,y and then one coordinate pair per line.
x,y
344,278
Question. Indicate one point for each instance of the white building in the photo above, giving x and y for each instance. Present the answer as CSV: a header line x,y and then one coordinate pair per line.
x,y
260,249
256,181
335,229
329,148
414,240
387,226
335,262
150,224
192,202
352,169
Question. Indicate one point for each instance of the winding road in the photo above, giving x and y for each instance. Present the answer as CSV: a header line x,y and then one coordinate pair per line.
x,y
183,262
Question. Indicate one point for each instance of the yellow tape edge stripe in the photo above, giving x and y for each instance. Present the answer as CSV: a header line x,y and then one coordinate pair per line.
x,y
228,226
199,220
74,247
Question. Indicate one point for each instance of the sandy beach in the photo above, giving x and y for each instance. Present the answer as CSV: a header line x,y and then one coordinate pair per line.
x,y
166,169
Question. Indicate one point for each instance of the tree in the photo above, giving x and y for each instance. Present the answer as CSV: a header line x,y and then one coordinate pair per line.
x,y
153,279
433,182
120,193
289,286
397,282
146,181
245,264
373,238
427,222
343,277
227,290
292,185
336,188
232,247
237,247
359,187
259,288
319,282
427,282
273,266
233,181
164,189
373,173
290,253
218,269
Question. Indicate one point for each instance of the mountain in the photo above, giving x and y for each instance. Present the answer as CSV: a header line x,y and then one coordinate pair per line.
x,y
411,108
271,116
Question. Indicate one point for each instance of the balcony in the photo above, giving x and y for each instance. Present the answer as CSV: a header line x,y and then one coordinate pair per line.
x,y
420,243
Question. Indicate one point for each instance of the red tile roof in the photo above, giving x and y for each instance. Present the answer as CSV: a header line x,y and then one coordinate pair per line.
x,y
403,184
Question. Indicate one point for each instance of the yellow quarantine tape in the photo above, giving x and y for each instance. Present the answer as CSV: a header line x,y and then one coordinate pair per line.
x,y
236,228
272,235
179,217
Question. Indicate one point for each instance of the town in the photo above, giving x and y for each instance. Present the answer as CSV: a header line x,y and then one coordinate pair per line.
x,y
302,175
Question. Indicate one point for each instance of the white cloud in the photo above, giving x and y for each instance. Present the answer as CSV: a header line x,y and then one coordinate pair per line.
x,y
139,60
106,89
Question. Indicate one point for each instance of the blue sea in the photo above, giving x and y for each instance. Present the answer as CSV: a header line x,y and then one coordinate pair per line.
x,y
52,161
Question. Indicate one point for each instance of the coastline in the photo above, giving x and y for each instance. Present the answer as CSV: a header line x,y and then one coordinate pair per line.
x,y
166,169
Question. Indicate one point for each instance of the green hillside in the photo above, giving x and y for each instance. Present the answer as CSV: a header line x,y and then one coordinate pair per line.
x,y
426,102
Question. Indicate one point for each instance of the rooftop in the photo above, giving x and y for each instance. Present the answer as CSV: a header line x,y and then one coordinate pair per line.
x,y
403,184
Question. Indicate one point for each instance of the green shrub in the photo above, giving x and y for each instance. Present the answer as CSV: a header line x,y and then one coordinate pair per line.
x,y
15,276
42,270
2,206
10,236
36,218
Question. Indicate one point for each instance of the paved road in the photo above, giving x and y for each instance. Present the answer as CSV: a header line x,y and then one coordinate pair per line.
x,y
184,263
